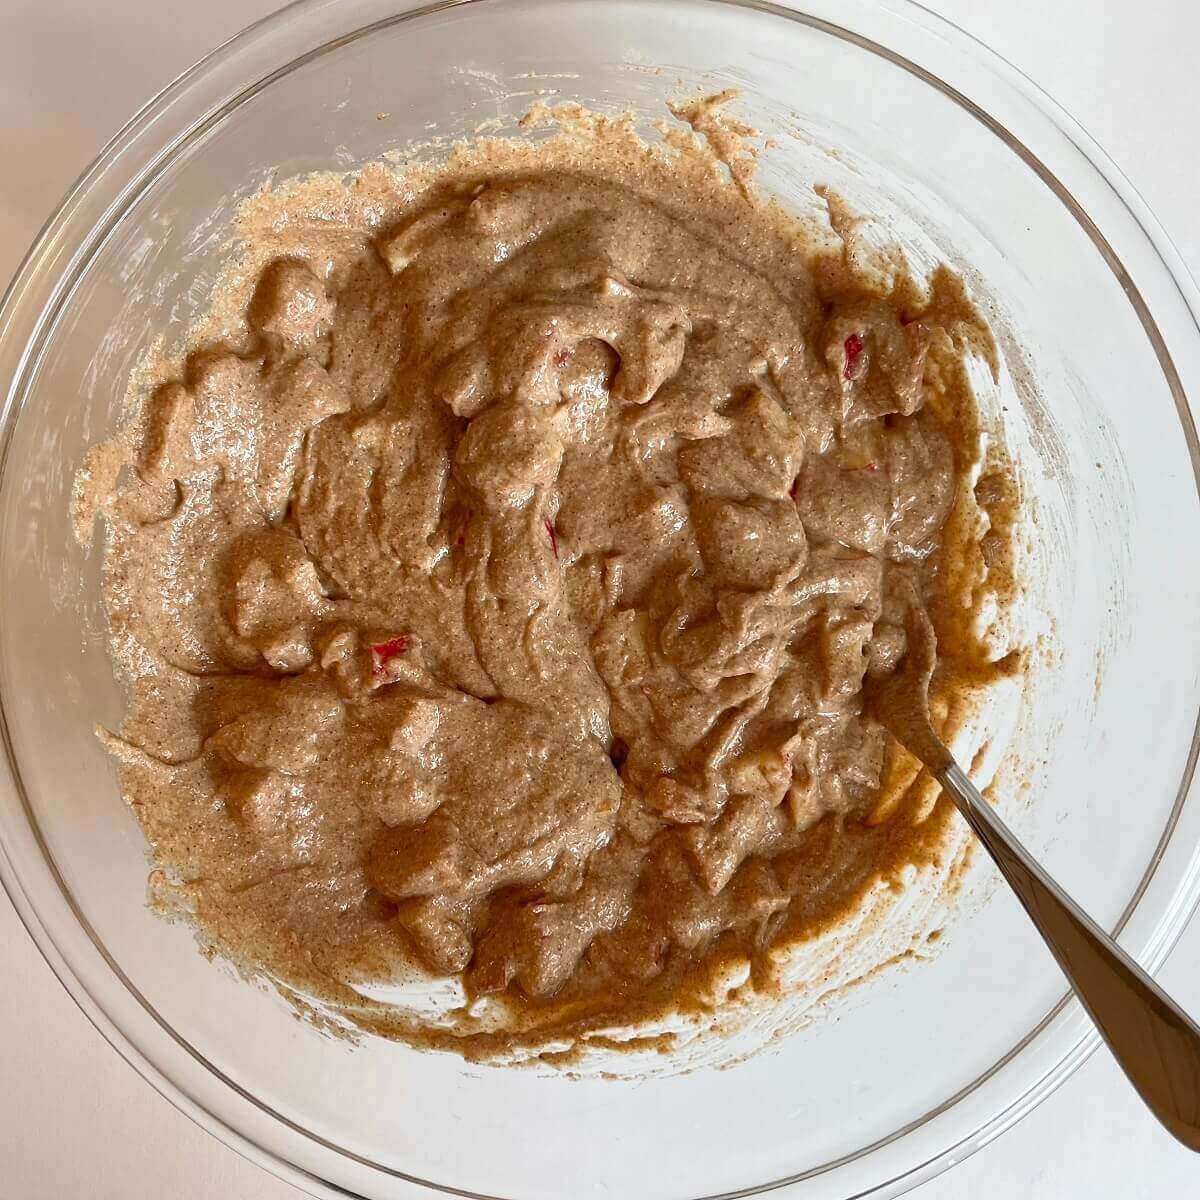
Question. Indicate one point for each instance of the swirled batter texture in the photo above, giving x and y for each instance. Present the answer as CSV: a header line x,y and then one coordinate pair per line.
x,y
499,585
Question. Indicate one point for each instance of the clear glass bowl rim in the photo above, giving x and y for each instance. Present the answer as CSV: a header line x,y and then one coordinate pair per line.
x,y
78,233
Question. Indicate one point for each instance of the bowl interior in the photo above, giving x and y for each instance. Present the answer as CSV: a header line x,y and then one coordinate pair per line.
x,y
1096,416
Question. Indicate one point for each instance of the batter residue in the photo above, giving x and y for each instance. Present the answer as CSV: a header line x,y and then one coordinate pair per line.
x,y
498,587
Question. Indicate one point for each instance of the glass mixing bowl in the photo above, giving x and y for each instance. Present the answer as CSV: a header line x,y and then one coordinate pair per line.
x,y
921,1068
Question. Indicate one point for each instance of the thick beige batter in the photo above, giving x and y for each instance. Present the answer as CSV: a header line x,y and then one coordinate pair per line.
x,y
498,585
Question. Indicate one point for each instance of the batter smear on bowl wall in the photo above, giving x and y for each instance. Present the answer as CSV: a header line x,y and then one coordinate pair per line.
x,y
498,569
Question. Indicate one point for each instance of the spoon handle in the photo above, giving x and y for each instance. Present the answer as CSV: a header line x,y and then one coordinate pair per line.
x,y
1156,1044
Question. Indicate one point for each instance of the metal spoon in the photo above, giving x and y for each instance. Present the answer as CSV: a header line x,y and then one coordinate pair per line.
x,y
1156,1044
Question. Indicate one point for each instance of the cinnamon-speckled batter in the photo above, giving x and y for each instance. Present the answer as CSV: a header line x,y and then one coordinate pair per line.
x,y
499,587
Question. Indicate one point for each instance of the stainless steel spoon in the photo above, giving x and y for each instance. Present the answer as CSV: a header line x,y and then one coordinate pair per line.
x,y
1154,1041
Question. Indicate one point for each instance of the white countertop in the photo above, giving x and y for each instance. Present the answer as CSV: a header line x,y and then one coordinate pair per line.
x,y
75,1121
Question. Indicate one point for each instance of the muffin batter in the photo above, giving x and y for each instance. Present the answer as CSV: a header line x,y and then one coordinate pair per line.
x,y
499,589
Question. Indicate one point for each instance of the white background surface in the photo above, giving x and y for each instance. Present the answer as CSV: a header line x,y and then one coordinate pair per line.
x,y
75,1121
